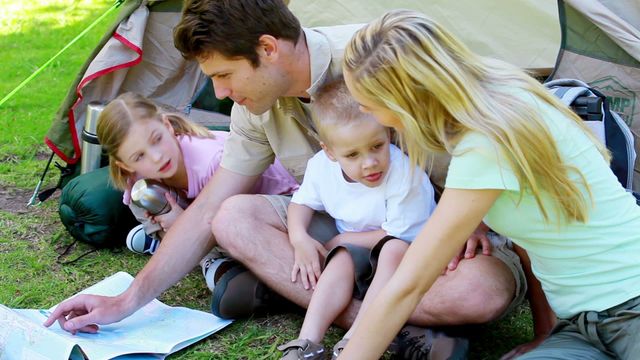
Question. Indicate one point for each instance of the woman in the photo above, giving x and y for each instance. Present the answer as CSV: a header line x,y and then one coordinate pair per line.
x,y
521,161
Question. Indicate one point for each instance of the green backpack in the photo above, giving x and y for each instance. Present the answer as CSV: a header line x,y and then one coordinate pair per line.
x,y
91,209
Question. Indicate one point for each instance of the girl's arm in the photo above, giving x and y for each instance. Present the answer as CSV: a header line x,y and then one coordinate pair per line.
x,y
458,213
307,250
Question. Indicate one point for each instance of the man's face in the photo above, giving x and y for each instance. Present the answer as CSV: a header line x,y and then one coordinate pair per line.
x,y
256,88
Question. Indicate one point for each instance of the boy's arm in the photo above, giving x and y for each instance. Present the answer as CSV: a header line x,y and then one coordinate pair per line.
x,y
366,239
307,251
543,317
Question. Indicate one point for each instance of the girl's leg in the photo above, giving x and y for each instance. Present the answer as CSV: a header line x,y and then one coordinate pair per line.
x,y
390,256
331,296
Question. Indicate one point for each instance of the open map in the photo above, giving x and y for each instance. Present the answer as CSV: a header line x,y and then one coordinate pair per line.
x,y
153,332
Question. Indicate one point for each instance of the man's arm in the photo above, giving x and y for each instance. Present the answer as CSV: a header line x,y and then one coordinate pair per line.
x,y
182,247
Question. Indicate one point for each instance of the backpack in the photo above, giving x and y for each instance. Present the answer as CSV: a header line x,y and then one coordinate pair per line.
x,y
593,107
92,211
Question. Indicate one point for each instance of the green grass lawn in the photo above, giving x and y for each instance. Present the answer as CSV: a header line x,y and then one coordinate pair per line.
x,y
30,33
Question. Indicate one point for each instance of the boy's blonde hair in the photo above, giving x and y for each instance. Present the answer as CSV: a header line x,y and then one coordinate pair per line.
x,y
440,91
334,105
116,119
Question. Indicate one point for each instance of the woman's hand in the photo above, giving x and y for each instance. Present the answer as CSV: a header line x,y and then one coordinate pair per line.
x,y
308,254
468,251
168,219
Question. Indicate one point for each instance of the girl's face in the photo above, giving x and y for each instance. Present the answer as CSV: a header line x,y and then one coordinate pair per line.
x,y
382,114
150,150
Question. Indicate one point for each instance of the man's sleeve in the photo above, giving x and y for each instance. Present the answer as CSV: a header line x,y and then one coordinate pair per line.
x,y
247,150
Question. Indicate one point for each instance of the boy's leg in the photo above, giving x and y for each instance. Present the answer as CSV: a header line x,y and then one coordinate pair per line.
x,y
390,256
253,231
331,296
566,344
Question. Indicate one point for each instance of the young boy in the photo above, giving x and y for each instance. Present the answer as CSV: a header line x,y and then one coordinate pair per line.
x,y
378,202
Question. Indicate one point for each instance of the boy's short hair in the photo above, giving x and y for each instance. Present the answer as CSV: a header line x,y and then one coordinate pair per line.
x,y
232,28
334,105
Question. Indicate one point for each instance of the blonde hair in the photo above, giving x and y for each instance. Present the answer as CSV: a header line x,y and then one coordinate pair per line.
x,y
440,91
116,119
334,106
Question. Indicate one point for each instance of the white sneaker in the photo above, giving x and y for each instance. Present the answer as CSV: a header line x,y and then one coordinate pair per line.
x,y
213,265
141,243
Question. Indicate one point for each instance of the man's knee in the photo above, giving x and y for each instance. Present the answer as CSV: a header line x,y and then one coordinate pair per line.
x,y
231,219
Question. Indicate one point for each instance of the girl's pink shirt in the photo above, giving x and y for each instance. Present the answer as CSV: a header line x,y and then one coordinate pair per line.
x,y
202,158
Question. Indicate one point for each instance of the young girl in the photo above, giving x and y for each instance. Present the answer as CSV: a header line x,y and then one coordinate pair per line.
x,y
143,141
522,161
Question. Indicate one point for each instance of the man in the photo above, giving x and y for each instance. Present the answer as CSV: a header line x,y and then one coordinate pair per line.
x,y
257,54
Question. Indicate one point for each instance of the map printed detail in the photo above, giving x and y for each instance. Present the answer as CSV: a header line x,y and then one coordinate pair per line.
x,y
153,332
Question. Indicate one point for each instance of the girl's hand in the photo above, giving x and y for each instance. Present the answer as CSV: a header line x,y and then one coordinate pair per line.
x,y
167,220
308,253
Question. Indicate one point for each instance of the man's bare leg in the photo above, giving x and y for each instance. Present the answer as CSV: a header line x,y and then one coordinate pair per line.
x,y
249,228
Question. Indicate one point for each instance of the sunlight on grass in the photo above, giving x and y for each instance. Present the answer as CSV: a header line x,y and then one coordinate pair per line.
x,y
24,16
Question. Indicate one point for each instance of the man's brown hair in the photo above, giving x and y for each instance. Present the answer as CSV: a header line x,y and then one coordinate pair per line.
x,y
232,28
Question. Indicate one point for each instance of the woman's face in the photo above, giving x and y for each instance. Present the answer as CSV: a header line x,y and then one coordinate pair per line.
x,y
383,115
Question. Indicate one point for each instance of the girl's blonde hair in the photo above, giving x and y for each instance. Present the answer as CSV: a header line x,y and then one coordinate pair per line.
x,y
440,91
116,119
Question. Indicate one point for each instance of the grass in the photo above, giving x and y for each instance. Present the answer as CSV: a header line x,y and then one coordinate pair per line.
x,y
30,33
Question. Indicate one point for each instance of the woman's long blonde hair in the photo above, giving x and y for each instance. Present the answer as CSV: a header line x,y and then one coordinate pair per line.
x,y
116,119
440,91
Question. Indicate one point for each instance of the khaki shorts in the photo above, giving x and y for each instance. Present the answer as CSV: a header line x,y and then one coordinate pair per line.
x,y
323,229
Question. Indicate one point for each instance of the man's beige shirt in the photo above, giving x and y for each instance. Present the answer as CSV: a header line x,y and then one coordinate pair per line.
x,y
286,131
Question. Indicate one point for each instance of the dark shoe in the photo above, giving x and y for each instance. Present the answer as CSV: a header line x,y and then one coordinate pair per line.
x,y
423,343
238,293
301,349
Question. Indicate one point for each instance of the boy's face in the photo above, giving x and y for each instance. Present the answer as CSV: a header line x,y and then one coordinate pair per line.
x,y
362,150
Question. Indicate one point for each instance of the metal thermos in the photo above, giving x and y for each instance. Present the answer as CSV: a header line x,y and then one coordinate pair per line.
x,y
149,195
91,149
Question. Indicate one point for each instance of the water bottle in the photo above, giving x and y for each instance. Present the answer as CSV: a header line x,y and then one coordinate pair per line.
x,y
150,195
91,149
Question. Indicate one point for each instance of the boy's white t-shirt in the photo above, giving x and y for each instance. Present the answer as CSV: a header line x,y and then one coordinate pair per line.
x,y
400,205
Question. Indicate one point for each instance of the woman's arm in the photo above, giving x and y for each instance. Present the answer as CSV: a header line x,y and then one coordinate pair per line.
x,y
458,213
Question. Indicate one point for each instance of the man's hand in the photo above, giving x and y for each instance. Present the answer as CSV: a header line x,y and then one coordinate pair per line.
x,y
468,251
167,220
308,253
84,312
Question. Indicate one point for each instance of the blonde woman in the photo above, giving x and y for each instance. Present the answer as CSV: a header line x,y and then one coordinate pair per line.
x,y
521,161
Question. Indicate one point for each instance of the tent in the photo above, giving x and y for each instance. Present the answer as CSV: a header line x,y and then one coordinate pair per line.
x,y
138,54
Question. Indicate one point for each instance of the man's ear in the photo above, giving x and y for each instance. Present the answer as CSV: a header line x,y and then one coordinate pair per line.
x,y
327,151
268,47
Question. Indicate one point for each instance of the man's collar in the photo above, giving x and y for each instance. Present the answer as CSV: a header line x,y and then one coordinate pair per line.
x,y
319,58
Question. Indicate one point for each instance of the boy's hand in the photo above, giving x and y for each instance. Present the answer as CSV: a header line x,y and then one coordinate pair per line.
x,y
167,220
308,253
